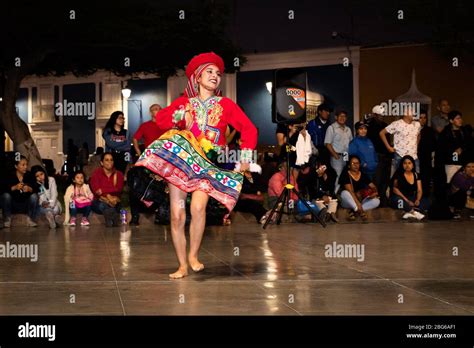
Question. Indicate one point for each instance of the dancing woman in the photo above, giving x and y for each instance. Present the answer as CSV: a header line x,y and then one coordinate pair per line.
x,y
197,124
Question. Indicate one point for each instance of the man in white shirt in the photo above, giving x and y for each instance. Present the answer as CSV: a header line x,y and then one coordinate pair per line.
x,y
337,139
405,133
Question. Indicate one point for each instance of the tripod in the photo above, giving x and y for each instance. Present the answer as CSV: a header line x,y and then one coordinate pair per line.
x,y
286,194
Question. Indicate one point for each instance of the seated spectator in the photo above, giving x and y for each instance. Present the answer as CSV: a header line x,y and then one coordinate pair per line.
x,y
407,190
277,184
78,199
461,191
20,195
358,194
49,205
363,147
107,184
317,182
147,192
455,144
251,197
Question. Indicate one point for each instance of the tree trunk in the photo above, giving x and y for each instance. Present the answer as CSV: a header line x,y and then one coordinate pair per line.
x,y
16,129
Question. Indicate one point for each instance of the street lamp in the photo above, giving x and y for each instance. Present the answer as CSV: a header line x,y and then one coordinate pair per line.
x,y
269,87
126,92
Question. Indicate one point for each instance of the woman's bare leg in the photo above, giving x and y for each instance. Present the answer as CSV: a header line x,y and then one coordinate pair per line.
x,y
178,221
198,223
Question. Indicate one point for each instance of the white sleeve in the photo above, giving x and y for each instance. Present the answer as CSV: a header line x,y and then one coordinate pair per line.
x,y
392,127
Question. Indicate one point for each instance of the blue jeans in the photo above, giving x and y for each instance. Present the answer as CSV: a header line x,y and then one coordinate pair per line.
x,y
347,201
29,206
338,166
398,203
86,211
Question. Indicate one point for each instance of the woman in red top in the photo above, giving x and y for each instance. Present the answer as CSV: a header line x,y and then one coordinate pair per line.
x,y
182,156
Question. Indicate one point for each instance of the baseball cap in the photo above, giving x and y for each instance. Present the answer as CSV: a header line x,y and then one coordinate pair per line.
x,y
378,109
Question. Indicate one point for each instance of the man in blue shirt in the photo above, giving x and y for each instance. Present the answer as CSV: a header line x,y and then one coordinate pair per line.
x,y
317,130
363,147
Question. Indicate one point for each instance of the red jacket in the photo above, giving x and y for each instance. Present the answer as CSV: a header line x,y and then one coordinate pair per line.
x,y
112,185
211,117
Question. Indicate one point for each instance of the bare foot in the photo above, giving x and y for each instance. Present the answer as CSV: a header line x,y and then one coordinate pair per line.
x,y
180,273
195,264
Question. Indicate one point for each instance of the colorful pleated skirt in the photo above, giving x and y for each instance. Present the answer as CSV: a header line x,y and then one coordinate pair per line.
x,y
179,159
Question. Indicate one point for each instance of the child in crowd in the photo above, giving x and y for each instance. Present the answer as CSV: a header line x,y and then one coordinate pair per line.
x,y
47,196
78,198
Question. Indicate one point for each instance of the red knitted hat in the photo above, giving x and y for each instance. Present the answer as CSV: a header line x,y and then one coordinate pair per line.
x,y
204,58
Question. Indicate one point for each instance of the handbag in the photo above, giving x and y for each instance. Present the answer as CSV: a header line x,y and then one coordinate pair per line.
x,y
81,201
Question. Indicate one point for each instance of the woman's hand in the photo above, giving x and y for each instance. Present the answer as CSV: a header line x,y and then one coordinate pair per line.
x,y
410,203
27,188
417,203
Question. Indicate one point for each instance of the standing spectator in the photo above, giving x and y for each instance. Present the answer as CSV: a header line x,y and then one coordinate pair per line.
x,y
384,157
338,137
405,139
440,121
317,130
49,205
148,131
107,184
83,156
20,195
426,148
363,147
358,193
294,132
71,157
78,199
407,190
94,163
116,140
461,192
455,144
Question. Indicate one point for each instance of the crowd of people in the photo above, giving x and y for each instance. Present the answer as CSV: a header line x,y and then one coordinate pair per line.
x,y
406,165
